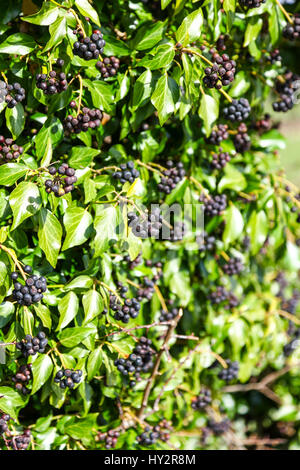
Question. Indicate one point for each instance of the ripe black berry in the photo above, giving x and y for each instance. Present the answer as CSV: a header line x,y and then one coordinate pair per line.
x,y
9,150
206,242
63,181
22,378
220,160
110,438
286,87
202,400
221,73
140,360
172,176
238,110
12,94
4,419
146,225
127,172
53,83
108,67
242,141
159,432
231,372
129,309
218,135
20,442
89,48
233,266
222,296
214,205
32,345
219,427
167,316
275,57
251,3
68,378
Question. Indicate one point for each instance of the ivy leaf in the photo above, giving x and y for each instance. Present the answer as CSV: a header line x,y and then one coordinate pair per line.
x,y
149,35
240,86
94,363
162,58
25,201
190,29
142,89
208,111
52,129
49,234
68,308
257,230
44,314
86,9
41,371
57,31
18,43
102,94
252,31
73,336
165,96
11,172
92,305
79,227
105,225
234,225
81,157
10,400
15,120
232,179
80,282
46,16
6,311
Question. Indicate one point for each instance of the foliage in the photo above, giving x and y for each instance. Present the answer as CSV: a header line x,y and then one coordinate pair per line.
x,y
156,108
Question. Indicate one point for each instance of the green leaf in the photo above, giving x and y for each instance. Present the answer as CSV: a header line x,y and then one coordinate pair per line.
x,y
52,129
162,58
15,120
73,336
80,282
240,86
46,16
142,90
102,94
208,111
41,371
6,311
25,201
252,31
94,363
257,230
44,314
149,35
86,9
229,5
81,157
165,96
234,225
18,43
58,32
11,172
50,235
79,227
105,225
10,400
232,179
92,305
46,160
190,29
68,308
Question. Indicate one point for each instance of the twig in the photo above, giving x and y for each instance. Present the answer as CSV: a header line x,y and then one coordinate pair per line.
x,y
14,258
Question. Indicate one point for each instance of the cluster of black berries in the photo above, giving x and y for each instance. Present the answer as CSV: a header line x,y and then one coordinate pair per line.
x,y
53,83
238,110
147,225
4,418
158,432
176,233
242,141
110,438
292,345
214,205
127,172
134,263
286,87
89,48
9,150
32,345
68,378
221,42
251,3
231,373
146,291
206,242
87,119
218,135
219,427
63,181
233,266
140,360
22,378
32,291
221,295
172,176
130,307
168,316
275,57
292,31
108,67
220,160
12,94
264,124
20,442
221,73
202,400
290,305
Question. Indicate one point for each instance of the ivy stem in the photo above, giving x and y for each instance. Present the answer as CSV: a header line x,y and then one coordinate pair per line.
x,y
190,51
80,93
286,14
111,290
225,256
161,298
226,95
4,77
148,167
14,258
